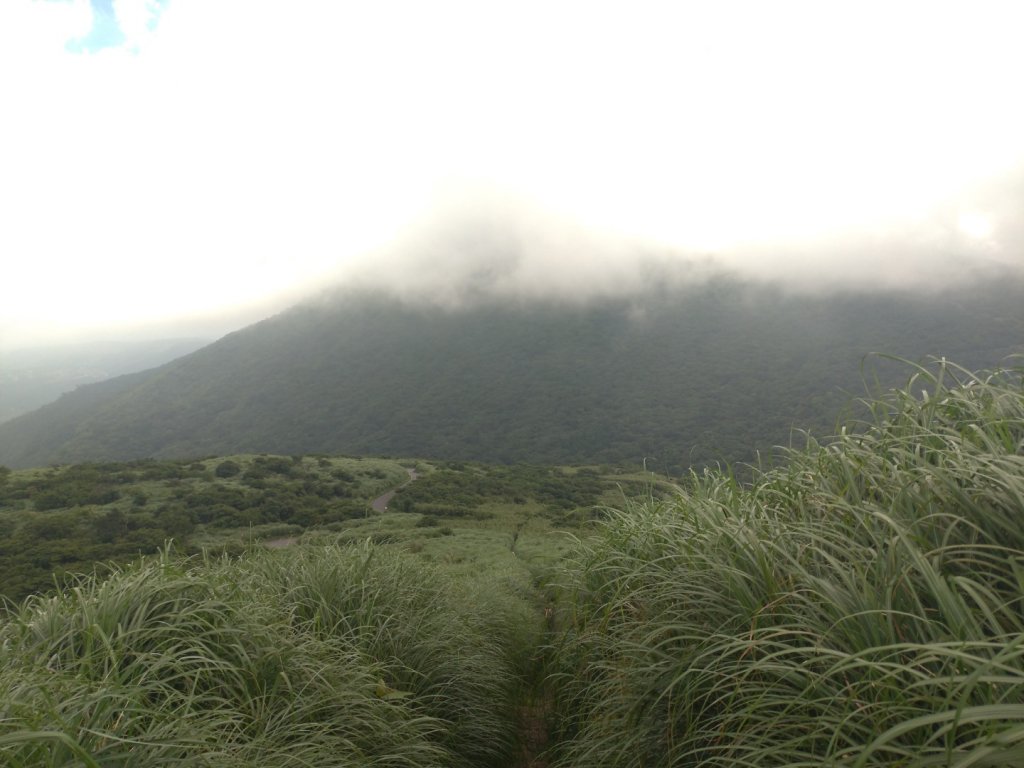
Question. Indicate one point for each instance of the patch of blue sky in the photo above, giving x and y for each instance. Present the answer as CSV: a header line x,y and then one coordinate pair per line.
x,y
107,30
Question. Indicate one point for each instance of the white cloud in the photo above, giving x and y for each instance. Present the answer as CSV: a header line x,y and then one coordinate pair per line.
x,y
137,20
31,30
252,146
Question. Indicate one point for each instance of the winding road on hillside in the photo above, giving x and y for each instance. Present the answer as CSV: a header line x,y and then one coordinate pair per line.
x,y
380,504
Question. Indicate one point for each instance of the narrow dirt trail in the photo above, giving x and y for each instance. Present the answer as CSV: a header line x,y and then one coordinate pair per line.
x,y
536,708
533,732
281,543
380,504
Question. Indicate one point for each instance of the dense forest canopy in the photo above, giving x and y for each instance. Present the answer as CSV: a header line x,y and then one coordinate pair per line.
x,y
687,376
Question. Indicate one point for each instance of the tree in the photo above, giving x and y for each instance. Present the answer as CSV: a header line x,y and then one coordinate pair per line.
x,y
110,525
227,469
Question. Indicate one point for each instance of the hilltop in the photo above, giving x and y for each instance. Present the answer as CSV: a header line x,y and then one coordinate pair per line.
x,y
684,375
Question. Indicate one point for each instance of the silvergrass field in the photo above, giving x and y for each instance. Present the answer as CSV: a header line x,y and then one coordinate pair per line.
x,y
858,601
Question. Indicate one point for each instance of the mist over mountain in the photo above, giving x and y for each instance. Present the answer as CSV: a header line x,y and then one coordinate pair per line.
x,y
32,377
482,245
684,366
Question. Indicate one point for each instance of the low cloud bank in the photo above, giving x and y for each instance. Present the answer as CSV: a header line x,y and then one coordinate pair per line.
x,y
494,248
511,252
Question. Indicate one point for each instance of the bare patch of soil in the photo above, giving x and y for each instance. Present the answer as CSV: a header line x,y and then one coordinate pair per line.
x,y
380,504
534,717
281,543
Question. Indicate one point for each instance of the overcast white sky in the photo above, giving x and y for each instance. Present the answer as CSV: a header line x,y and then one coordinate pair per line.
x,y
179,158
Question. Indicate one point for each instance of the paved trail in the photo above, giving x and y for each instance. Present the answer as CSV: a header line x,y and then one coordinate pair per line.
x,y
380,504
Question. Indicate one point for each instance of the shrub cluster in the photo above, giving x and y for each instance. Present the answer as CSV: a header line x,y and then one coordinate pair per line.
x,y
67,519
461,486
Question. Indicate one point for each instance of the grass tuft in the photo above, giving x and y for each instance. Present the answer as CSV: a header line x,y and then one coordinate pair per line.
x,y
860,605
331,656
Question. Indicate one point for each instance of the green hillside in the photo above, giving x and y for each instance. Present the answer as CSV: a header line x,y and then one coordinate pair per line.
x,y
70,519
34,376
687,377
860,604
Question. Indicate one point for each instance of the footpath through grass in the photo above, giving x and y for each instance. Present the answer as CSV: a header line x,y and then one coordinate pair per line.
x,y
860,604
67,519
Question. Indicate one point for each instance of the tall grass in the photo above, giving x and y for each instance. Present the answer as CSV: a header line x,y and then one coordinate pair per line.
x,y
333,657
860,605
451,650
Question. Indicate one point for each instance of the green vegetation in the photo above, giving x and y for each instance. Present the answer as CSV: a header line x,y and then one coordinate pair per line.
x,y
461,490
69,519
33,377
322,657
859,603
690,376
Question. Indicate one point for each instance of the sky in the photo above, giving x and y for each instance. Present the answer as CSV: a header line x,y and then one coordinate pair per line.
x,y
174,165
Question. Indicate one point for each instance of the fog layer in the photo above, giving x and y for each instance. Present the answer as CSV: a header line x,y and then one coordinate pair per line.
x,y
482,245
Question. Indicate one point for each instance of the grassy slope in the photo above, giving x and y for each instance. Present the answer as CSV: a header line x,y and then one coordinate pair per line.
x,y
66,519
366,642
320,657
859,604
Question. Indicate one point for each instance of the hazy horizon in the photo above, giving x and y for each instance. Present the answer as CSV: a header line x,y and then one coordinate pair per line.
x,y
174,167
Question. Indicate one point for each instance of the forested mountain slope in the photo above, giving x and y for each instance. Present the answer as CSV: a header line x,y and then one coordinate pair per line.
x,y
34,376
681,375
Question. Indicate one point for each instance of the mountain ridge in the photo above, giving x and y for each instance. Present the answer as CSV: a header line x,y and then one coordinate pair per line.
x,y
31,377
694,375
